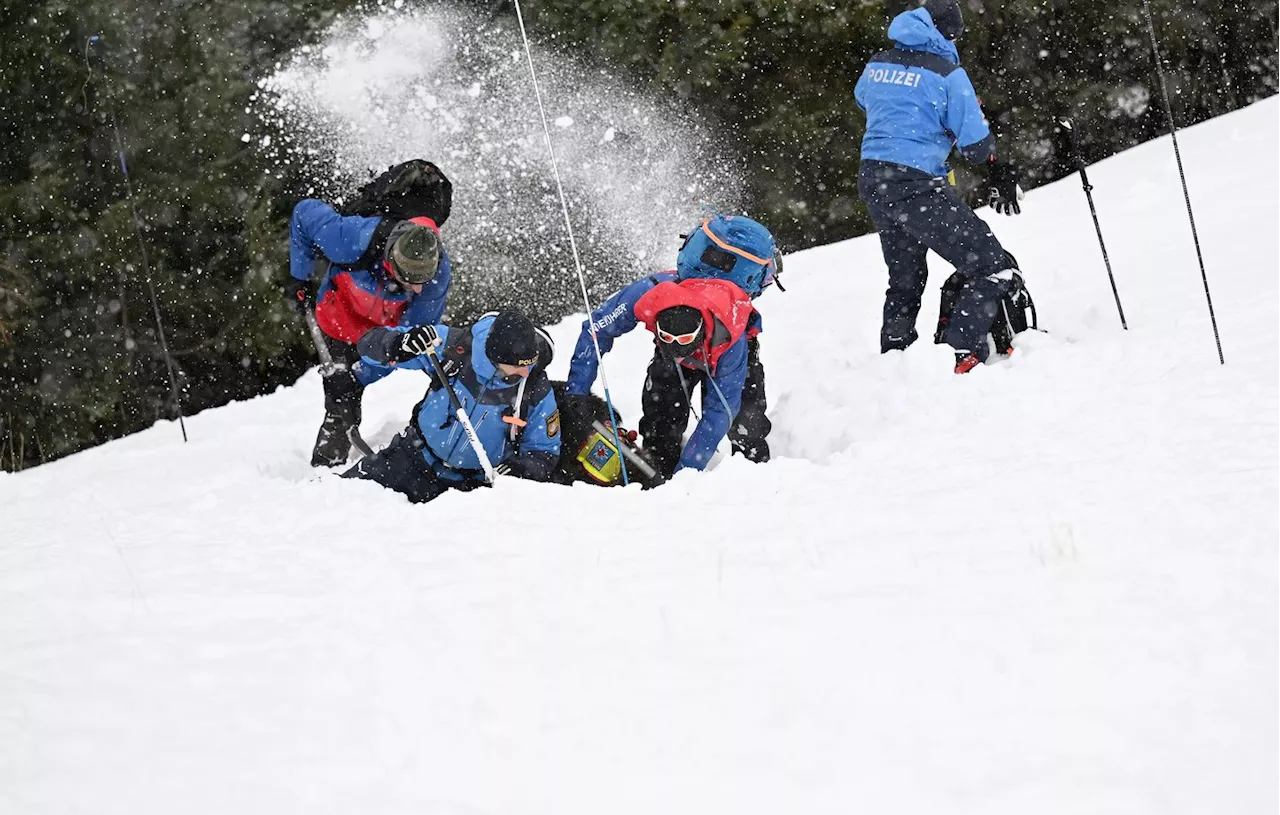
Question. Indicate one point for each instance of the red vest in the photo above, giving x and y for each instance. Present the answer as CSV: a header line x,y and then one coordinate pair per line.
x,y
356,300
726,310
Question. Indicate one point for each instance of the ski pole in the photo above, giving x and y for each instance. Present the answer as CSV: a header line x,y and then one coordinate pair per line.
x,y
1186,193
490,474
1064,125
137,228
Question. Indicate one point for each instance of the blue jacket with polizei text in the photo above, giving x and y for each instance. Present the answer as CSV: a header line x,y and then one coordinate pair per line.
x,y
919,101
489,401
615,317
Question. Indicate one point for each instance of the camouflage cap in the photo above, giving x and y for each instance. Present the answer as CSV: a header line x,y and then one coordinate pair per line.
x,y
415,255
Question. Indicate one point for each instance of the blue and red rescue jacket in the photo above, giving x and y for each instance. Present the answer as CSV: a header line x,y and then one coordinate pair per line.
x,y
358,291
725,307
727,312
615,317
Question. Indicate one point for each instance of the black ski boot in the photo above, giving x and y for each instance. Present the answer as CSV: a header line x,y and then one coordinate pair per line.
x,y
333,442
342,395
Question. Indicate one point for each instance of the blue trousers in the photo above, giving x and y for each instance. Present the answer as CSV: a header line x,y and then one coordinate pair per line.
x,y
915,212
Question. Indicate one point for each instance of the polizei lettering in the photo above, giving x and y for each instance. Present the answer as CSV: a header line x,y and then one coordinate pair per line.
x,y
888,76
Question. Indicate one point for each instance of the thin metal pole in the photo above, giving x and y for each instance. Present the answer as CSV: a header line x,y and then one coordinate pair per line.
x,y
1074,152
142,245
1173,132
573,245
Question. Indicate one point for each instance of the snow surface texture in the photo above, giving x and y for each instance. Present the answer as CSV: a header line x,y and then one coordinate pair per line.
x,y
1049,586
448,85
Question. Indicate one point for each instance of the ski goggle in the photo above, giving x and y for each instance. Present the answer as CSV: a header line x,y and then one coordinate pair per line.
x,y
678,339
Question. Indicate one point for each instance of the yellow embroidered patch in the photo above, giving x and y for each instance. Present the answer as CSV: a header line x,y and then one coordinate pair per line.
x,y
553,424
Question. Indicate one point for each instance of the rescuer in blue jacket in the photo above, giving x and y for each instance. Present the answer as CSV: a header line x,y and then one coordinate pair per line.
x,y
496,368
724,247
374,271
920,105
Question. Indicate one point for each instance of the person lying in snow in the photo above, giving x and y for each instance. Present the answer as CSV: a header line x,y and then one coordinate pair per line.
x,y
384,269
495,367
730,249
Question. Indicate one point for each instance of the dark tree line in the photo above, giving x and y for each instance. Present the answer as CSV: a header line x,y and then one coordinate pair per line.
x,y
79,353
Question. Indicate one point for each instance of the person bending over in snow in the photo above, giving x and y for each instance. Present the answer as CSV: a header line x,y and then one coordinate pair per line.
x,y
735,249
700,329
496,367
375,271
919,105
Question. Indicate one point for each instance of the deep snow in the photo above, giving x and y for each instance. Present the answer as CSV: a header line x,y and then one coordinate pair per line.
x,y
1049,586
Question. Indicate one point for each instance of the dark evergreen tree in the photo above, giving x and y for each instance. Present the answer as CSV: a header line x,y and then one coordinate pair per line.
x,y
80,360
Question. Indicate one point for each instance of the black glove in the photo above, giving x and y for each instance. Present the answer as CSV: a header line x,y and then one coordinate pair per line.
x,y
298,294
415,342
1002,187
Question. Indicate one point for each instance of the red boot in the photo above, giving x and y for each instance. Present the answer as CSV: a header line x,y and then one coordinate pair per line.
x,y
966,363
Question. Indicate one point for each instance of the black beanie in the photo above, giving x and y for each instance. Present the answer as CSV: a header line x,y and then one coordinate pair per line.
x,y
512,340
946,17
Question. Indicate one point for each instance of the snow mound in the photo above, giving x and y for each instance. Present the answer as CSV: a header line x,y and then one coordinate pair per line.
x,y
1049,586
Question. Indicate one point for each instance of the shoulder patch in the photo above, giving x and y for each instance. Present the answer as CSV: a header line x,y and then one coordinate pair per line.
x,y
553,424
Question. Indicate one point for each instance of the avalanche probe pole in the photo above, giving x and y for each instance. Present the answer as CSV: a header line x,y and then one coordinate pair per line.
x,y
490,474
1186,194
327,368
1074,153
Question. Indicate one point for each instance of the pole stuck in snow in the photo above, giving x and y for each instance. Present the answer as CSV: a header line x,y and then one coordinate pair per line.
x,y
1064,125
137,228
573,245
1186,194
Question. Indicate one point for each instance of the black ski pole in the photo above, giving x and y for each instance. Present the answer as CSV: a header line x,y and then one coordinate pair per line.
x,y
1173,134
137,229
1073,152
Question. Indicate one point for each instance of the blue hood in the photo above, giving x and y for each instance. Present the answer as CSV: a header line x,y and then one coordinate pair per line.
x,y
915,30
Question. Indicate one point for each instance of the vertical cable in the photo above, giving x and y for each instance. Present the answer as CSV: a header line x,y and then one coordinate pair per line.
x,y
573,245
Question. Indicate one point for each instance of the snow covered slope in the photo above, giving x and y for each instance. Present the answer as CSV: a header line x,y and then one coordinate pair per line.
x,y
1049,586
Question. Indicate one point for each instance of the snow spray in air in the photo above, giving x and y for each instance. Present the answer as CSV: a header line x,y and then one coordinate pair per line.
x,y
448,85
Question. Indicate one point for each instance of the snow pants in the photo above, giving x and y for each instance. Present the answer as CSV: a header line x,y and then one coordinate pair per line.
x,y
400,466
665,411
915,212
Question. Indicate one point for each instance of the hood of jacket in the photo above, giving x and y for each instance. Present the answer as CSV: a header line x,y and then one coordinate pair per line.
x,y
726,310
914,30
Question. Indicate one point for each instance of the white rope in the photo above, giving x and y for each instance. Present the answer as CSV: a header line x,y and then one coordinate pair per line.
x,y
568,225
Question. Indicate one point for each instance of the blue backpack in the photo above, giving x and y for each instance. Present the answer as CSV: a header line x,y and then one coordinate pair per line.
x,y
729,247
